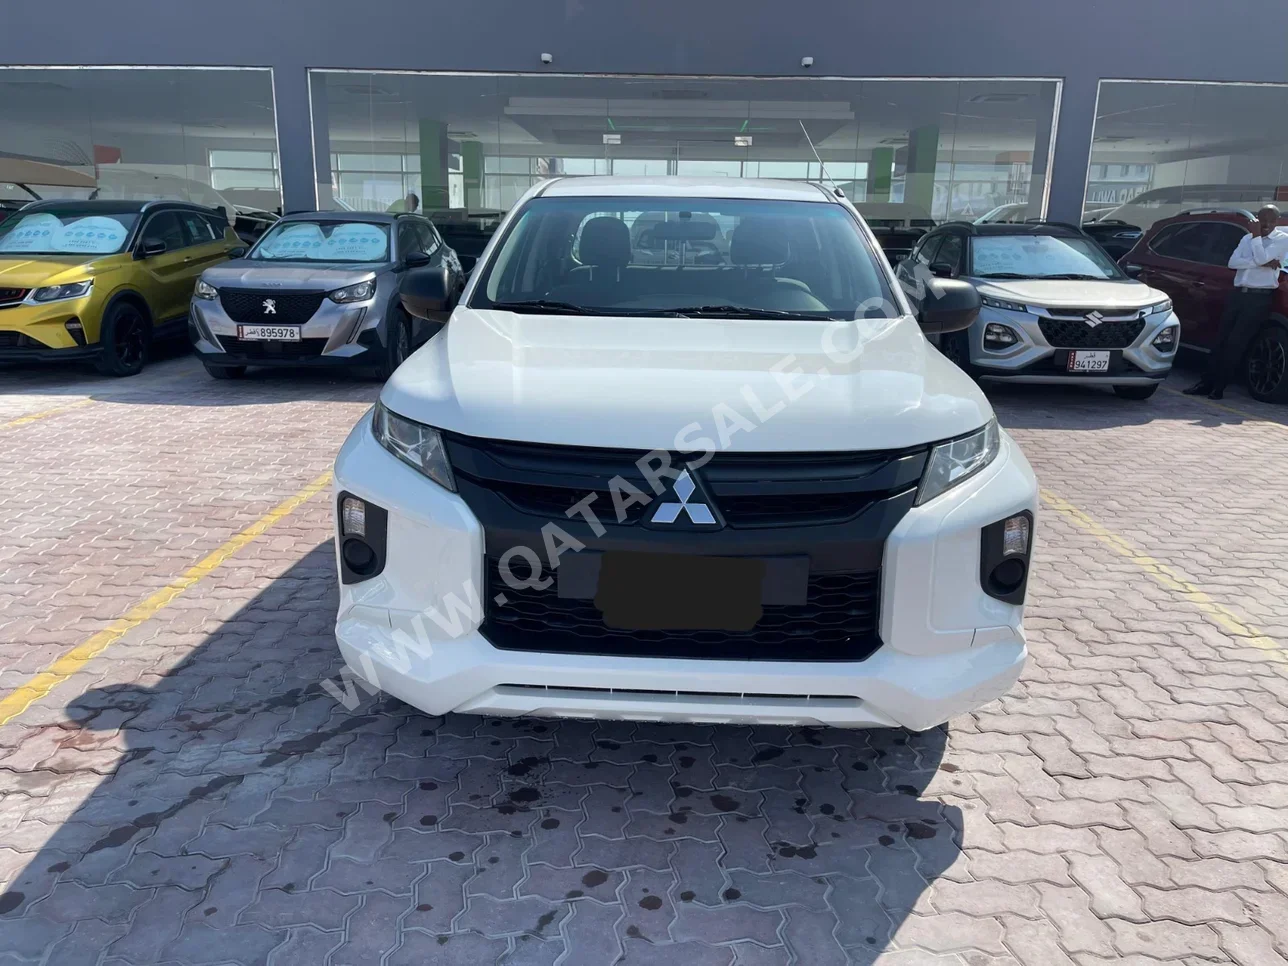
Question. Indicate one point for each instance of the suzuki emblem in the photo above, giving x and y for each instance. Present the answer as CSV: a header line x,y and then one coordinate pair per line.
x,y
270,306
683,489
1093,319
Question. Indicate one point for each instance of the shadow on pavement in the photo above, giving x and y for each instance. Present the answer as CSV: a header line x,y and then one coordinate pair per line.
x,y
244,816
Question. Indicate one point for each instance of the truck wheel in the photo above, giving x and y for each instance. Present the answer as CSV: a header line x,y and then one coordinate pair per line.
x,y
1135,392
124,337
1266,366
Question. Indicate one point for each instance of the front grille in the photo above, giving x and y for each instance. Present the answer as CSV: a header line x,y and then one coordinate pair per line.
x,y
292,308
256,349
838,622
1077,334
17,340
12,296
750,489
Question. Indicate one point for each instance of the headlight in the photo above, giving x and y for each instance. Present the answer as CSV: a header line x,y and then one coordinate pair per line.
x,y
1163,306
204,290
958,460
1003,304
56,293
416,444
355,293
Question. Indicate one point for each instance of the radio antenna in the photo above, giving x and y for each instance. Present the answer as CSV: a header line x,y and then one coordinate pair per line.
x,y
836,189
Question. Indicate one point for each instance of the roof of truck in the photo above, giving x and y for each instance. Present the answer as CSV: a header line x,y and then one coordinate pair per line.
x,y
677,187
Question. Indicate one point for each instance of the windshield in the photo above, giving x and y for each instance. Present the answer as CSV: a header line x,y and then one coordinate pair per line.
x,y
688,256
324,241
66,231
1040,256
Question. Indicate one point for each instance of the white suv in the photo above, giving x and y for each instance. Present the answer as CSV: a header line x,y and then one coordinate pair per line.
x,y
725,480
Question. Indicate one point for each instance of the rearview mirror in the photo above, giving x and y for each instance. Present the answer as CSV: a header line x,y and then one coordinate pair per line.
x,y
416,259
426,292
950,305
150,248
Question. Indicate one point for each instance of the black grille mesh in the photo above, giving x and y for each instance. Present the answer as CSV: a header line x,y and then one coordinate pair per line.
x,y
291,308
838,622
1077,334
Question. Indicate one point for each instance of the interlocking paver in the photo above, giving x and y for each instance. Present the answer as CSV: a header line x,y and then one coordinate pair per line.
x,y
191,796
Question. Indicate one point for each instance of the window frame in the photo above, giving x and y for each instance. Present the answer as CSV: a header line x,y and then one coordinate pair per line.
x,y
151,216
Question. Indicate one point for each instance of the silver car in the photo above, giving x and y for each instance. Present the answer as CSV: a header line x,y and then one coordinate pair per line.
x,y
319,289
1056,309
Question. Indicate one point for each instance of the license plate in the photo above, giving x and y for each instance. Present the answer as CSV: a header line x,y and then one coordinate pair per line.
x,y
659,592
269,333
1088,361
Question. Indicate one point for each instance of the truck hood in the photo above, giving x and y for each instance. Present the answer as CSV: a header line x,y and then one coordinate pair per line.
x,y
650,383
1129,294
324,276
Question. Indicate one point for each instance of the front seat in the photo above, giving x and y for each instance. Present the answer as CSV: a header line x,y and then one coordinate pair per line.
x,y
760,245
604,251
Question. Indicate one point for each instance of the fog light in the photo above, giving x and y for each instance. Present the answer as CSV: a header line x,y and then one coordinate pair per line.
x,y
1165,341
75,330
353,517
1008,575
1015,536
359,557
998,336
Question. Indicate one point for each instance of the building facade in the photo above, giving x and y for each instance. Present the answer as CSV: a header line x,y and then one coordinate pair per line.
x,y
923,112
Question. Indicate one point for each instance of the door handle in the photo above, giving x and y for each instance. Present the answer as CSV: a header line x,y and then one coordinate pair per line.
x,y
187,258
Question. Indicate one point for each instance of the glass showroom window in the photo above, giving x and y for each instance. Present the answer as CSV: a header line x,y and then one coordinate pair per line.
x,y
1163,148
910,151
191,134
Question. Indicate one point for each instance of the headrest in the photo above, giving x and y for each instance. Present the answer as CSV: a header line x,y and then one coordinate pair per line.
x,y
758,241
605,243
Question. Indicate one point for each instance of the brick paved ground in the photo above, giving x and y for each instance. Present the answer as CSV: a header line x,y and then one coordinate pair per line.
x,y
191,797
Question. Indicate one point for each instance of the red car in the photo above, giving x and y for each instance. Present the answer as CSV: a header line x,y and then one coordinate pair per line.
x,y
1186,257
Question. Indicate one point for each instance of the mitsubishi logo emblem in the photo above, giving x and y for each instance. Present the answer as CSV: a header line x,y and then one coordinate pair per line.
x,y
684,490
1093,319
270,306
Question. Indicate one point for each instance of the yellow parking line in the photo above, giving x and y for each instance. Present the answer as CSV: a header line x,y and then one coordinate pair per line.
x,y
44,414
1167,577
19,700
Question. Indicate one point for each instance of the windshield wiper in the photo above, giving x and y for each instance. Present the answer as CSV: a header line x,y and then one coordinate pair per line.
x,y
735,312
545,307
1003,275
1075,277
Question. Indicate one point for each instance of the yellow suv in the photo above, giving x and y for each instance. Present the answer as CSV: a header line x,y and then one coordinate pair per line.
x,y
101,280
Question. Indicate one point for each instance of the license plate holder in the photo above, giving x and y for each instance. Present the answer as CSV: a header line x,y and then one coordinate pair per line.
x,y
1094,360
268,333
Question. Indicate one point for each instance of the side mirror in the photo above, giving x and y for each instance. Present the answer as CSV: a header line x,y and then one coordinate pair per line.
x,y
1132,270
237,252
942,271
150,248
416,260
950,305
426,292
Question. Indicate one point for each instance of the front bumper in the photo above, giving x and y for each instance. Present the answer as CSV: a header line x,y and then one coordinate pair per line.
x,y
337,336
413,630
1035,360
38,333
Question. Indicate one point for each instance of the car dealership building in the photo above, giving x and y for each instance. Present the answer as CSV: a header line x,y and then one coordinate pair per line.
x,y
930,111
